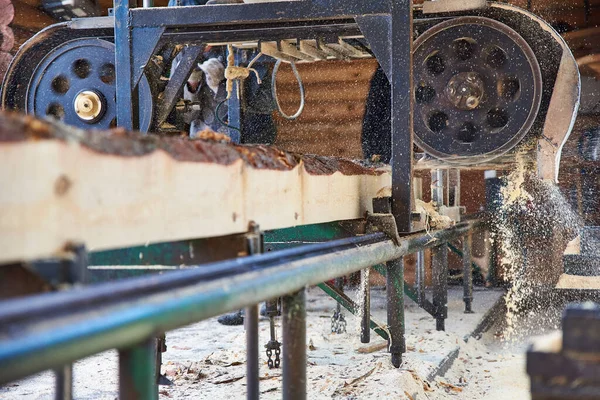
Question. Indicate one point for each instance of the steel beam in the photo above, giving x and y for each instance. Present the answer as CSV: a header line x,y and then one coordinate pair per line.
x,y
395,309
265,13
63,389
439,256
400,42
255,245
467,273
294,346
252,358
55,329
365,312
137,371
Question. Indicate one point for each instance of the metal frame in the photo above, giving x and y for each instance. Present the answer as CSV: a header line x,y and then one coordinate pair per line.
x,y
139,33
129,314
386,25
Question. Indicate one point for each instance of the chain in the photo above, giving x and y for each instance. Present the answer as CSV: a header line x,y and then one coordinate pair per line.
x,y
273,345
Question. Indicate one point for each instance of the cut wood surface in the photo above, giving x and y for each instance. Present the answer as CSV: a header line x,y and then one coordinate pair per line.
x,y
116,189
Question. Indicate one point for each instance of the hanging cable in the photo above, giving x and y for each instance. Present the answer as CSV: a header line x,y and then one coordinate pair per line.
x,y
225,124
274,91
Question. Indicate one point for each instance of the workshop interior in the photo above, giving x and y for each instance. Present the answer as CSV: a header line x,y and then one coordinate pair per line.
x,y
300,199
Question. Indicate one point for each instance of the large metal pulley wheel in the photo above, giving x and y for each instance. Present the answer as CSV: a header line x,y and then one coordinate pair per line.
x,y
477,89
76,84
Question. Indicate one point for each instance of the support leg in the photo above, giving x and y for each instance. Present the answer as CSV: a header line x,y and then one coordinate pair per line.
x,y
137,375
338,321
123,65
365,312
294,346
467,273
161,347
252,360
440,284
420,277
401,41
64,383
395,309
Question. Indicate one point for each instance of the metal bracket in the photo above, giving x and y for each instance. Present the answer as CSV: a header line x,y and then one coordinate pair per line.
x,y
385,223
69,270
382,219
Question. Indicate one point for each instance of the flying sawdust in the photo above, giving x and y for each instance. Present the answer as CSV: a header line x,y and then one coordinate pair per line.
x,y
532,227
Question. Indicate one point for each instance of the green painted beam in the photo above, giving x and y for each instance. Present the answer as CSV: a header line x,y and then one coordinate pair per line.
x,y
351,306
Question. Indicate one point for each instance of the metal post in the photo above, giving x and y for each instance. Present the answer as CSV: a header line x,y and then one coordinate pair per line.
x,y
252,364
467,272
148,3
420,277
255,243
161,347
365,312
137,374
294,346
453,187
438,178
77,274
64,383
402,115
439,255
123,64
395,309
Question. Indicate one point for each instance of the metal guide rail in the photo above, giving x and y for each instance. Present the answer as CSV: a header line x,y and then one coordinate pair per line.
x,y
51,331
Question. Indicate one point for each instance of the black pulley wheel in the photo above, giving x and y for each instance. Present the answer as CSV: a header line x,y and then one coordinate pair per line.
x,y
75,83
477,89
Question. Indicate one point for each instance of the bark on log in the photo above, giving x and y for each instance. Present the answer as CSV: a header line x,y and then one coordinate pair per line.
x,y
7,12
115,189
7,39
5,59
30,17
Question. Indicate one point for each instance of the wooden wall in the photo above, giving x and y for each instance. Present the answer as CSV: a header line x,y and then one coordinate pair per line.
x,y
331,123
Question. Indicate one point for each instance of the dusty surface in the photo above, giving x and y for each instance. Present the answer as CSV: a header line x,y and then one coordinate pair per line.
x,y
207,360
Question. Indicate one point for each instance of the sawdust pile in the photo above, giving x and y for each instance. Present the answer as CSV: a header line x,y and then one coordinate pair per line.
x,y
433,219
532,225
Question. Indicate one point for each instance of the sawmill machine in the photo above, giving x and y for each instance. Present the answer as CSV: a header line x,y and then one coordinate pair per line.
x,y
489,79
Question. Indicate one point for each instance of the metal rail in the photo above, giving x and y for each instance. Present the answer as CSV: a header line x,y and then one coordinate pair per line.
x,y
52,330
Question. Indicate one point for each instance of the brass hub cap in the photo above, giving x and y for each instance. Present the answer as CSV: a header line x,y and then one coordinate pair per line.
x,y
88,105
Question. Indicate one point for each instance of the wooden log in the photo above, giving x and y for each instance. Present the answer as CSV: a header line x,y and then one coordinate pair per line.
x,y
115,189
7,12
7,38
5,59
30,17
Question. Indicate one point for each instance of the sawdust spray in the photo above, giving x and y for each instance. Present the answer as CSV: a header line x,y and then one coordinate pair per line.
x,y
531,227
